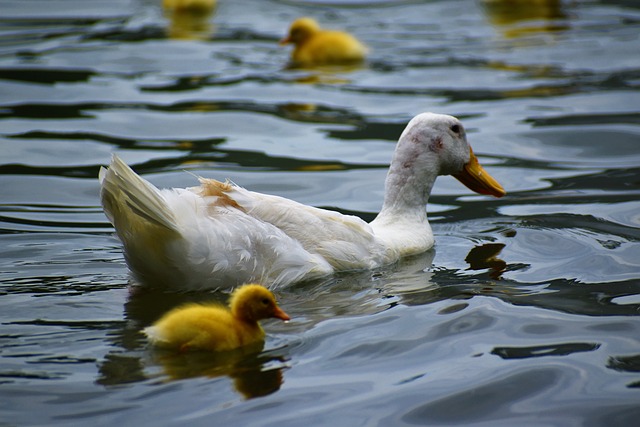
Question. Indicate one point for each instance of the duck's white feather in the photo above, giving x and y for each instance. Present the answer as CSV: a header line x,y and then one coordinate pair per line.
x,y
222,235
345,241
203,243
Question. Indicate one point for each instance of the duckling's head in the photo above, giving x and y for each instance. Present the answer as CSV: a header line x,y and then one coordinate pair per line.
x,y
301,30
255,302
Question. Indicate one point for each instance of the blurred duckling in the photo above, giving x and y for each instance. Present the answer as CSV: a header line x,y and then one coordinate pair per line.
x,y
202,6
315,46
518,18
189,19
216,328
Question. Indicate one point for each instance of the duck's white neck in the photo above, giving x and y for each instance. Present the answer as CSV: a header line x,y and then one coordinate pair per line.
x,y
408,185
402,224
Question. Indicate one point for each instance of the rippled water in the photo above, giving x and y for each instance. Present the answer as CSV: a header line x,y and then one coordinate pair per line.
x,y
525,313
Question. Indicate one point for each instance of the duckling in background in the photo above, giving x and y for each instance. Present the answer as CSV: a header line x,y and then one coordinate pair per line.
x,y
216,328
189,19
518,18
202,6
315,46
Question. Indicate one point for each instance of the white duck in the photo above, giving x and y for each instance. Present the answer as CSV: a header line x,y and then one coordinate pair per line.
x,y
221,235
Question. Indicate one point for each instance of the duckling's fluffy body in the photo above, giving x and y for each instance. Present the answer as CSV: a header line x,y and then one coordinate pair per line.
x,y
214,327
315,46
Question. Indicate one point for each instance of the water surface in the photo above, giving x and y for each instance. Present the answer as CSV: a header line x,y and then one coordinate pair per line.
x,y
525,313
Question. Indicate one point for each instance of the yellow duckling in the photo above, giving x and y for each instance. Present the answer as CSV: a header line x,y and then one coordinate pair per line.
x,y
202,6
216,328
315,46
189,19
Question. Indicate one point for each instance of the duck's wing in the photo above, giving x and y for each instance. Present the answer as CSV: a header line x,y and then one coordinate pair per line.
x,y
344,241
225,246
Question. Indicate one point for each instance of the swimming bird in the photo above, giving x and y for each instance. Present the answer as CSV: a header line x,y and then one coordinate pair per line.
x,y
201,6
217,328
189,19
219,234
315,46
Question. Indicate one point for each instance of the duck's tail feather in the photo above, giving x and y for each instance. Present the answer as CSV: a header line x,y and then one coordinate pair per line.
x,y
125,196
144,222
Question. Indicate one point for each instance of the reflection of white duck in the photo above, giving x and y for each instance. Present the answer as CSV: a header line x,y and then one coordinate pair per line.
x,y
219,234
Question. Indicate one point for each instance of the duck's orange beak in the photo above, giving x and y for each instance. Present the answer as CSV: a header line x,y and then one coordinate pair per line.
x,y
284,41
477,179
278,313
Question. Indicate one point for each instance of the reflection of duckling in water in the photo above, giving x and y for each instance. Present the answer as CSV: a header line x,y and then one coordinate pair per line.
x,y
315,46
216,328
246,367
510,14
189,19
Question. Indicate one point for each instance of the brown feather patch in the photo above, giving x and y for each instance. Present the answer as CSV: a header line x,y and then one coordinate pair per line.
x,y
214,188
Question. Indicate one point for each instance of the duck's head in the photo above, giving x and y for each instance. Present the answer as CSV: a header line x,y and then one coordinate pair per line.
x,y
255,302
301,29
438,143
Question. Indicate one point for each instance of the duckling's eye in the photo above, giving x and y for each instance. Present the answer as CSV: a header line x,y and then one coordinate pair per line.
x,y
265,301
455,128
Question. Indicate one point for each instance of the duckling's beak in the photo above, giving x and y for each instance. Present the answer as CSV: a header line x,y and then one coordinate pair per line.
x,y
477,179
278,313
284,41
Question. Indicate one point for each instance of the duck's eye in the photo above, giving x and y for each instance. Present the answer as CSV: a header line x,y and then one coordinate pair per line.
x,y
265,301
455,128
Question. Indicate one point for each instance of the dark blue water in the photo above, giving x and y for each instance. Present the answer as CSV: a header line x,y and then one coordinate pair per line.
x,y
525,313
